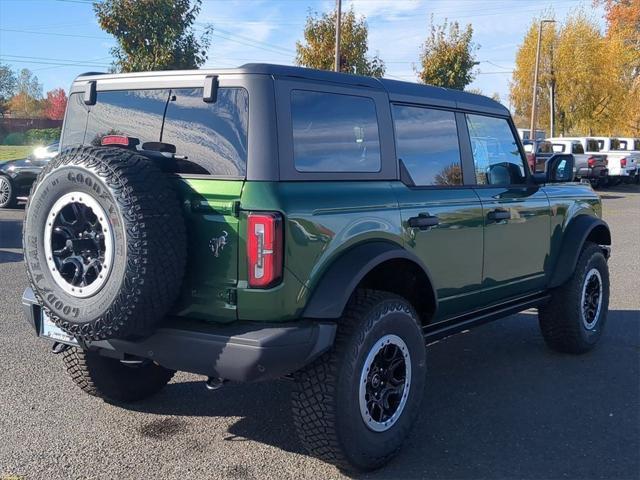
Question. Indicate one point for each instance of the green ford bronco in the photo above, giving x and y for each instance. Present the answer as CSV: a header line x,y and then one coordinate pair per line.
x,y
273,221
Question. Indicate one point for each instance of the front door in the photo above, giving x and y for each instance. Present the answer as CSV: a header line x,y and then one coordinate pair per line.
x,y
516,212
442,220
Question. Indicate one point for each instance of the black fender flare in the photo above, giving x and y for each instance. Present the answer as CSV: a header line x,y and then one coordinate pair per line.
x,y
576,234
336,285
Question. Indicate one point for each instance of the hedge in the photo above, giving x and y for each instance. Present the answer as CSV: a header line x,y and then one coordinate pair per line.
x,y
34,136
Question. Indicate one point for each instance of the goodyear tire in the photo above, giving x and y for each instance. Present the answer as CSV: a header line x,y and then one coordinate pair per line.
x,y
355,405
575,317
104,243
110,379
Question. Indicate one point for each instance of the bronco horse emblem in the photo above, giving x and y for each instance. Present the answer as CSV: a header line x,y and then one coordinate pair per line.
x,y
217,244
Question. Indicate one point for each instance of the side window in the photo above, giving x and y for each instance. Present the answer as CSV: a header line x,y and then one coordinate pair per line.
x,y
577,148
75,121
334,132
427,143
495,151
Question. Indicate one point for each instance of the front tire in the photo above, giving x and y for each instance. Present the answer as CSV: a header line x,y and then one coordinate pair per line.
x,y
355,405
573,320
110,379
7,193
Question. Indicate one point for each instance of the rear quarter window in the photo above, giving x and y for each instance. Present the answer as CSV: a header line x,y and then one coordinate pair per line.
x,y
334,132
210,138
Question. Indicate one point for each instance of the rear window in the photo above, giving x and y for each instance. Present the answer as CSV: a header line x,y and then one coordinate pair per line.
x,y
594,145
334,132
210,138
545,147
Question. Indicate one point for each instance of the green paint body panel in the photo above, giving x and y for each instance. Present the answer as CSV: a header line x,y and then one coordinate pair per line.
x,y
211,213
473,262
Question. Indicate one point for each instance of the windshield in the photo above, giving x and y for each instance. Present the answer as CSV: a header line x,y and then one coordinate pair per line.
x,y
210,138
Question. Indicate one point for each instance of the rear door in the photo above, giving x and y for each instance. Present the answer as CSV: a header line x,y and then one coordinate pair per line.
x,y
441,218
209,168
516,212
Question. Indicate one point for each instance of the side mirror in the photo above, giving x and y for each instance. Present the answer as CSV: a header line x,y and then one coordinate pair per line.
x,y
560,168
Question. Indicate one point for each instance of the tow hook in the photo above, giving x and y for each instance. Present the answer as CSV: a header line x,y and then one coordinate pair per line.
x,y
214,383
59,348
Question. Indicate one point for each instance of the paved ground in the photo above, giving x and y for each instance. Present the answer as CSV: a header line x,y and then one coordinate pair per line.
x,y
498,405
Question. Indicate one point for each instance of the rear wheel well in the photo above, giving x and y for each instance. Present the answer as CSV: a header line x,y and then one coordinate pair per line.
x,y
407,279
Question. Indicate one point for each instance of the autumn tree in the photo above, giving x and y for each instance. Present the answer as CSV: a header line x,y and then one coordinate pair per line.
x,y
318,49
27,101
448,56
585,69
154,34
55,104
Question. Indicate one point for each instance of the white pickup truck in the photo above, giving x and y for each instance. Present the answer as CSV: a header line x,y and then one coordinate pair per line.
x,y
623,164
590,167
632,146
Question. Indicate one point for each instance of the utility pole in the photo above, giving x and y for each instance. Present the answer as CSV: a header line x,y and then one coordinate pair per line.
x,y
535,80
338,18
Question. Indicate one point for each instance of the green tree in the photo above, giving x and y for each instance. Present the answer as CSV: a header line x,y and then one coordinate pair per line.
x,y
318,49
154,34
448,56
8,83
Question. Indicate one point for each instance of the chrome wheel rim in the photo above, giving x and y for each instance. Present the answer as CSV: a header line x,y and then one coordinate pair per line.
x,y
591,300
5,190
385,381
79,246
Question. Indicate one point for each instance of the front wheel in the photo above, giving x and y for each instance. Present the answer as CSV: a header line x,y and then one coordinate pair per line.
x,y
573,320
7,193
355,405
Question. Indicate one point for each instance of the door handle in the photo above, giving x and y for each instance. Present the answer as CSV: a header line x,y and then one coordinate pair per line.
x,y
499,214
424,221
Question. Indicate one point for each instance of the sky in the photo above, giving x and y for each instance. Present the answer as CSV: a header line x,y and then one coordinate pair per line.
x,y
59,39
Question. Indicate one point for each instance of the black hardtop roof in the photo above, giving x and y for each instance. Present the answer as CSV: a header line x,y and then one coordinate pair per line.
x,y
398,91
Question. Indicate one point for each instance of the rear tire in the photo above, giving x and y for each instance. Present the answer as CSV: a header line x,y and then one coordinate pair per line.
x,y
111,380
355,405
574,318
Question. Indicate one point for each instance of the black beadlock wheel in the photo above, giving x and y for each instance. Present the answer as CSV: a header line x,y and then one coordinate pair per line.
x,y
355,405
110,379
574,318
104,243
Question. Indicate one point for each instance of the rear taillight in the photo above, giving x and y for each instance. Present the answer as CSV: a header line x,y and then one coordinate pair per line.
x,y
119,140
264,249
623,162
591,161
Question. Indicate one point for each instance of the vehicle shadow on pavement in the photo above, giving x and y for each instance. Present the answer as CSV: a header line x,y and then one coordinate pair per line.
x,y
10,239
498,404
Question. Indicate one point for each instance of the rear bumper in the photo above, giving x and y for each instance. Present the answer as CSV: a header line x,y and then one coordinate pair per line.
x,y
241,352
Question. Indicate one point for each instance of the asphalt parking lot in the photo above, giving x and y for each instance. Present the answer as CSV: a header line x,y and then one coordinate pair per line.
x,y
498,405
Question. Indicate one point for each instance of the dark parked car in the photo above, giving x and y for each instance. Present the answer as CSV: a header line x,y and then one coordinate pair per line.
x,y
17,176
275,221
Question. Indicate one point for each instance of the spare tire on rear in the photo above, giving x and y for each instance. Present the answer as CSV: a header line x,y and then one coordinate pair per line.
x,y
104,243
